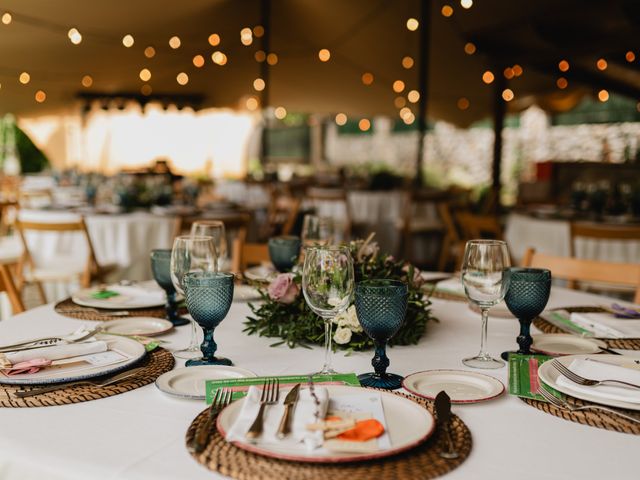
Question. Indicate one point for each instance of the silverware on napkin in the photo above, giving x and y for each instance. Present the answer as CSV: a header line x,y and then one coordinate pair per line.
x,y
47,342
289,401
443,412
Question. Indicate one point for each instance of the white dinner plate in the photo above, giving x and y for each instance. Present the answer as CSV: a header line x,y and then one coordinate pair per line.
x,y
147,326
189,382
133,350
549,375
261,273
245,293
408,425
462,386
565,344
120,302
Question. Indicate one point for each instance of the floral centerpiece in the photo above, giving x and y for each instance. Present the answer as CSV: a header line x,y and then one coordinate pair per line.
x,y
284,313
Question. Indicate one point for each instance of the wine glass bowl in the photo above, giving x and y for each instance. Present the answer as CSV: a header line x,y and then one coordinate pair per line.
x,y
161,269
284,251
214,229
209,296
381,306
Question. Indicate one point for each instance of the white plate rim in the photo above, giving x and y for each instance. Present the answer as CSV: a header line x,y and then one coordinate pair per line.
x,y
250,274
167,325
104,305
599,344
106,370
491,379
162,379
355,457
566,360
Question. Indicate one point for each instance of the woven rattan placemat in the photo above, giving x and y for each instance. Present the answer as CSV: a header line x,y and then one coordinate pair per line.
x,y
421,462
154,364
70,309
594,418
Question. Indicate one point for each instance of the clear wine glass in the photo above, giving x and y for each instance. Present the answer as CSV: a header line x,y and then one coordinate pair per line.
x,y
191,254
485,279
214,229
327,285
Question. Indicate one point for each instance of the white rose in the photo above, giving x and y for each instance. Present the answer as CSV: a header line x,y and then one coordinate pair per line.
x,y
351,319
342,336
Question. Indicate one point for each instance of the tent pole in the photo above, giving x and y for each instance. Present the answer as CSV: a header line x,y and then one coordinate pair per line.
x,y
499,111
265,14
423,87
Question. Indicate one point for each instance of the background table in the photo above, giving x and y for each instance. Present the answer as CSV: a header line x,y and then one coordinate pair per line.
x,y
140,434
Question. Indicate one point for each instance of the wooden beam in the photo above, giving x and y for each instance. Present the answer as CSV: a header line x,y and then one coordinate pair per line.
x,y
265,15
499,112
423,87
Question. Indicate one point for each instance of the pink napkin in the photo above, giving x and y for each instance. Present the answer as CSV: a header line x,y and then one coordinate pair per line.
x,y
30,366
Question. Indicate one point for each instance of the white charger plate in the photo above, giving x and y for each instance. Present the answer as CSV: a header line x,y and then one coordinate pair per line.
x,y
261,273
408,425
189,382
462,386
120,302
549,375
245,293
134,350
147,326
565,344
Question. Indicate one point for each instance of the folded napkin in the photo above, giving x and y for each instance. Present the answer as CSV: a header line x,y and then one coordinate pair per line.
x,y
56,352
596,370
606,325
139,291
452,286
304,413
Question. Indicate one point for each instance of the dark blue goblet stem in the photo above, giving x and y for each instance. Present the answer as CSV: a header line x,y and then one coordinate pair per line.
x,y
524,339
171,309
208,346
380,360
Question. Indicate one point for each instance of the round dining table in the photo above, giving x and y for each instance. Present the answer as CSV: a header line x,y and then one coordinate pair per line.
x,y
141,434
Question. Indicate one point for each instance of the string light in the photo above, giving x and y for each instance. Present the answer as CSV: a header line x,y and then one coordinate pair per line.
x,y
602,64
509,73
182,78
463,103
145,75
260,56
258,31
246,36
252,103
6,18
128,41
75,36
412,24
469,48
517,70
341,119
407,62
367,78
146,89
149,52
219,58
447,11
324,55
562,83
487,77
466,3
198,61
507,94
409,119
272,59
404,112
603,95
24,78
258,84
40,96
399,102
630,56
214,39
280,112
174,42
398,86
413,96
563,65
364,124
87,81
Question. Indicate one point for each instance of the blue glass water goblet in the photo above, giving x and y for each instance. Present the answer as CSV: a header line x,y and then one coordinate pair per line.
x,y
284,252
526,298
161,268
209,296
381,306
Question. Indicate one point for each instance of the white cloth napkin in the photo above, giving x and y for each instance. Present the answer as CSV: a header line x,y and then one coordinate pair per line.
x,y
606,325
57,352
600,371
300,439
140,291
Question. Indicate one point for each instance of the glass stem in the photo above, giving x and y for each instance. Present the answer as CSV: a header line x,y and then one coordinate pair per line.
x,y
327,344
193,344
483,333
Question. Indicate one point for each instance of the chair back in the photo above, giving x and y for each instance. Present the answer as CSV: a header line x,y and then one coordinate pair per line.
x,y
282,213
328,202
479,226
597,231
7,285
246,254
581,270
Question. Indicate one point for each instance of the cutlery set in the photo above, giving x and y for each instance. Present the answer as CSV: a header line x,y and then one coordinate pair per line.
x,y
47,342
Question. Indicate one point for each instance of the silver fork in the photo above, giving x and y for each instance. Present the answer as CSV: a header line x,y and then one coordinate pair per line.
x,y
575,378
564,405
270,395
47,342
221,399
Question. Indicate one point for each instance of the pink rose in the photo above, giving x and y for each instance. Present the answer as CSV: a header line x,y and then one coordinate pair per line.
x,y
284,289
417,279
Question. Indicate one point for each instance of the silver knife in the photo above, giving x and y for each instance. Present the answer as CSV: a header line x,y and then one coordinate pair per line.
x,y
289,401
443,412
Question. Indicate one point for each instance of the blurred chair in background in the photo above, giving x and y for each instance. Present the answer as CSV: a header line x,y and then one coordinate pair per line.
x,y
7,285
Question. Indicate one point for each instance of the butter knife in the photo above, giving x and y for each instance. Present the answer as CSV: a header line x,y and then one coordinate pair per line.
x,y
443,412
289,401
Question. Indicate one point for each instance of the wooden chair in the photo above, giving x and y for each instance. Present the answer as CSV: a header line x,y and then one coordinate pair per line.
x,y
319,197
452,247
60,269
35,198
580,270
479,226
282,212
7,285
247,254
7,207
414,220
597,231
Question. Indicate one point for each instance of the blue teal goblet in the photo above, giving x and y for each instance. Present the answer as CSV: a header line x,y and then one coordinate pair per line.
x,y
381,306
526,298
209,296
284,251
160,266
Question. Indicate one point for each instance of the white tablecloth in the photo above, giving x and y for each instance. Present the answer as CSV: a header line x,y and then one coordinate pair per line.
x,y
553,237
140,434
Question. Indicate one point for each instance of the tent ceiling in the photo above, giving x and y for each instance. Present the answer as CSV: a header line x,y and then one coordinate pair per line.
x,y
362,35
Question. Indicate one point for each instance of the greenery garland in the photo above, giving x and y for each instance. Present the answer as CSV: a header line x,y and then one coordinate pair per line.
x,y
283,312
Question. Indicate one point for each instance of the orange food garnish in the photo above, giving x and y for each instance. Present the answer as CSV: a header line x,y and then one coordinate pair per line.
x,y
363,431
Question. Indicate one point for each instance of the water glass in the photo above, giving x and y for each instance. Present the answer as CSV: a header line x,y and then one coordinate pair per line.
x,y
214,229
161,269
284,251
317,230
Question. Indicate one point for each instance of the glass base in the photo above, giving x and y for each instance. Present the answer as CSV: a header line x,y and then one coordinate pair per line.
x,y
483,361
178,322
388,381
188,353
326,371
202,361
